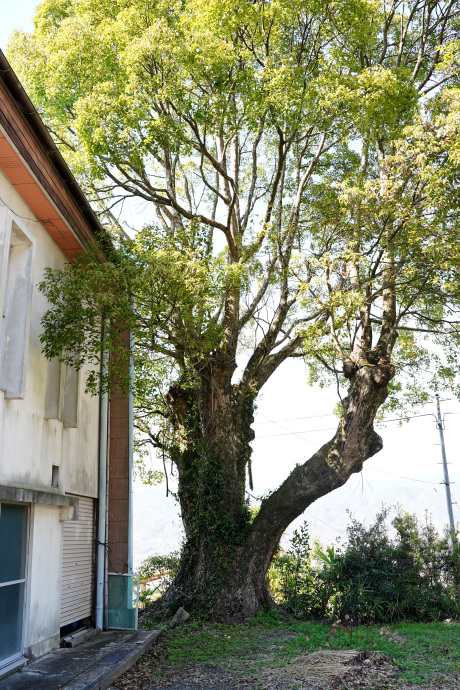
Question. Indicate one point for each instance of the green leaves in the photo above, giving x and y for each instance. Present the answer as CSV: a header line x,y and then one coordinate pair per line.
x,y
298,167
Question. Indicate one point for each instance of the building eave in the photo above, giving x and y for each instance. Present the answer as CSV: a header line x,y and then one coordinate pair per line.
x,y
34,165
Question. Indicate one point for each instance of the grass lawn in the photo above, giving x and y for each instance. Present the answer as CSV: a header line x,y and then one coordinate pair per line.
x,y
260,655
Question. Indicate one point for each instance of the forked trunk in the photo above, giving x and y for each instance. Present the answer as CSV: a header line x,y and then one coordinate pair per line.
x,y
226,556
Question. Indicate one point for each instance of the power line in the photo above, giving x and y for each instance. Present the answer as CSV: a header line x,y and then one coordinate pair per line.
x,y
324,523
329,428
400,476
400,419
306,513
296,433
332,414
396,419
295,419
455,502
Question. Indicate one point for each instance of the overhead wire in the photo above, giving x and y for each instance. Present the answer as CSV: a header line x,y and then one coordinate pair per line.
x,y
294,433
454,500
309,431
331,414
306,512
401,419
295,419
400,476
297,433
324,522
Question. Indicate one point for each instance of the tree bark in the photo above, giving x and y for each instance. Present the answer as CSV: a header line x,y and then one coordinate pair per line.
x,y
226,557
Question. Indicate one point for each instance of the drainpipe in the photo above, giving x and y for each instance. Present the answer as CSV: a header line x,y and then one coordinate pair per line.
x,y
102,494
130,451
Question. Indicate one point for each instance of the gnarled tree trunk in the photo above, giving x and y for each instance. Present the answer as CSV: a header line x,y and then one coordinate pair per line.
x,y
226,557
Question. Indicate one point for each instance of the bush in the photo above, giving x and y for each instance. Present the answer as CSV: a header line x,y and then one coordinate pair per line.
x,y
160,570
290,578
374,576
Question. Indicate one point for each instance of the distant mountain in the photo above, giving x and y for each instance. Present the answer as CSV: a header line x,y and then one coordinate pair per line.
x,y
364,501
157,524
158,530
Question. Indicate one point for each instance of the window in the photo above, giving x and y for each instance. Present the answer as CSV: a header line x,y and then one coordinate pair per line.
x,y
62,393
55,477
16,257
13,542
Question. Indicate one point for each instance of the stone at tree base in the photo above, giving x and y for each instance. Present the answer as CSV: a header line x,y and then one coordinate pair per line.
x,y
180,616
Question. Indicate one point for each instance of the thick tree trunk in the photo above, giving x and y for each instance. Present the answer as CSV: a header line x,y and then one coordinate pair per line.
x,y
225,558
213,434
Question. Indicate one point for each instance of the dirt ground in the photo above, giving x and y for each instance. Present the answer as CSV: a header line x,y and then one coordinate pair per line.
x,y
361,671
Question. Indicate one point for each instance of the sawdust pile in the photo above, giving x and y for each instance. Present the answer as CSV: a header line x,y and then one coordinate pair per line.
x,y
313,670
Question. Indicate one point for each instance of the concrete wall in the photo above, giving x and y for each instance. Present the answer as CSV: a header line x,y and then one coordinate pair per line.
x,y
30,444
43,588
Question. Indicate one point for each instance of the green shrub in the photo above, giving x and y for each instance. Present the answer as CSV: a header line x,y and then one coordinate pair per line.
x,y
291,578
409,573
162,567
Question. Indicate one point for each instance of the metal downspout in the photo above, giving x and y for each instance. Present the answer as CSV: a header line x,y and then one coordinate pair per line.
x,y
130,451
102,494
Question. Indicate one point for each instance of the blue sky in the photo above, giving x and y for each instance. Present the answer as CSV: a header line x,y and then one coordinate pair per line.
x,y
15,14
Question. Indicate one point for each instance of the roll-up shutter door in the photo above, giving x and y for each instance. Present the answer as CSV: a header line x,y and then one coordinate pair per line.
x,y
77,564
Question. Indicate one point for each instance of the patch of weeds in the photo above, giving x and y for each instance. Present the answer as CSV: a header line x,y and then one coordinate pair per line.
x,y
422,654
429,651
210,644
270,619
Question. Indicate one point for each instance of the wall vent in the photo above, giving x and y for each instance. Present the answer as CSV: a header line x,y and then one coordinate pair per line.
x,y
9,163
55,477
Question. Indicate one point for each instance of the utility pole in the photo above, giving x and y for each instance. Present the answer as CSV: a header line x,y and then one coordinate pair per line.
x,y
446,471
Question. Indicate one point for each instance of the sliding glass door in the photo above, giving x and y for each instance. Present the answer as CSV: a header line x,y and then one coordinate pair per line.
x,y
13,545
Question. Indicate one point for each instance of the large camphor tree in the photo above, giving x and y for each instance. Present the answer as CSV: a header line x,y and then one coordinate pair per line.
x,y
290,169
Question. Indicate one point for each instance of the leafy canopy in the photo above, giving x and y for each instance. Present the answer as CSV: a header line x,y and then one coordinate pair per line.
x,y
298,166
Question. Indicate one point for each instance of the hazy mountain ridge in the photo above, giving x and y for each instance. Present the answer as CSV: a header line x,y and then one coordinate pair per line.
x,y
158,529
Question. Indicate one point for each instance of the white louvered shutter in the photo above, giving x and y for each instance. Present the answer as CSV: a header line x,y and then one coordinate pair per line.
x,y
77,564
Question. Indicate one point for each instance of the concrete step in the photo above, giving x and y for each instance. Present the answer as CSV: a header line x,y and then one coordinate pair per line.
x,y
80,637
93,665
113,665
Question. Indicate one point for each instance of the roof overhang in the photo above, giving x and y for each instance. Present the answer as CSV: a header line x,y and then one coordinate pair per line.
x,y
32,162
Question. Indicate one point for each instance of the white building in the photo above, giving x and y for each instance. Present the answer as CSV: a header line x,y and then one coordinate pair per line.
x,y
55,440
